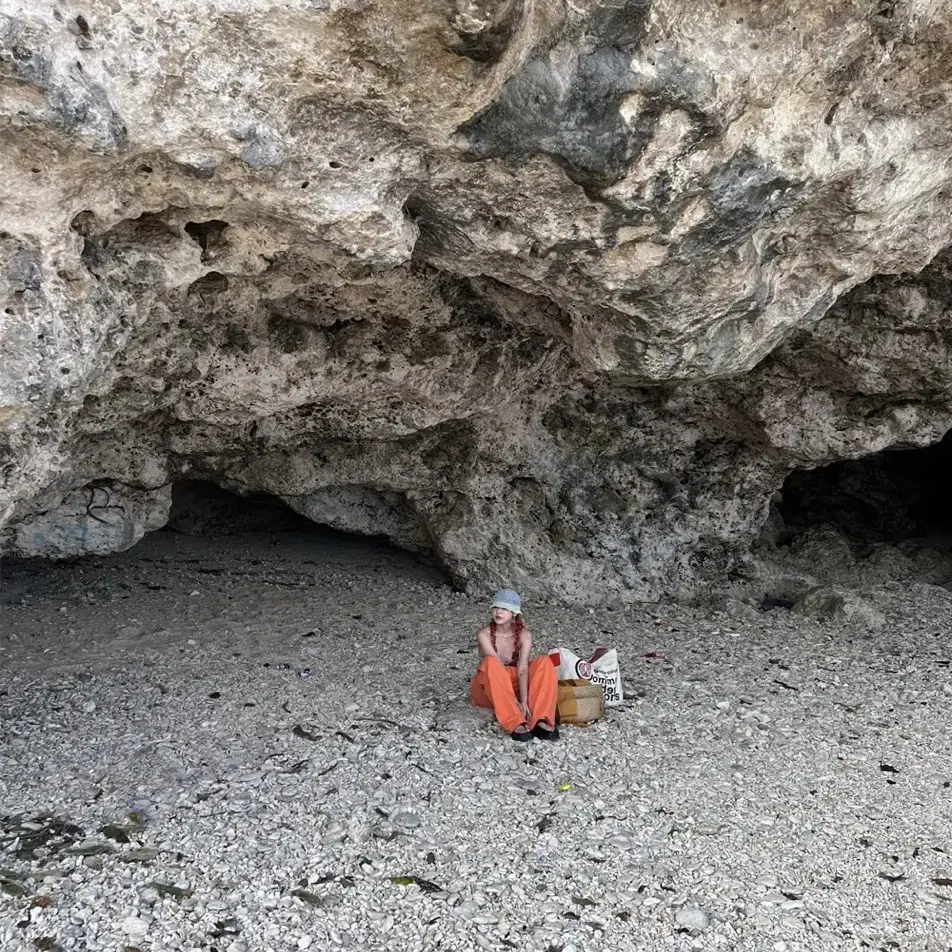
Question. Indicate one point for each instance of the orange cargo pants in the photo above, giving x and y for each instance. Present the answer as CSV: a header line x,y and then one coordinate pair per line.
x,y
495,686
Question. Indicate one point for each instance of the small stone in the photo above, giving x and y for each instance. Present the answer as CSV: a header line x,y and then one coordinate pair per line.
x,y
693,918
148,895
135,927
407,819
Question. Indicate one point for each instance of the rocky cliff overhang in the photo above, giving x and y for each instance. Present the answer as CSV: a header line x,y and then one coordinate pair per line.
x,y
558,292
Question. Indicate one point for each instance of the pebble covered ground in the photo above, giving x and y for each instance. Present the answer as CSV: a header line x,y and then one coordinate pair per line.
x,y
265,743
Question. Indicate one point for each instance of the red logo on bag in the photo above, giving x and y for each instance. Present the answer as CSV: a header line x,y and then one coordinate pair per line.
x,y
584,669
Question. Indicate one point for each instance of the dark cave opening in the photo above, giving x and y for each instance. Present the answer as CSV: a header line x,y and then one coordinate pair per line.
x,y
206,512
204,509
898,495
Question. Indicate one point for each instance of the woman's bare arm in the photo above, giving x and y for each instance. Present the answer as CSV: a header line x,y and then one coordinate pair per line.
x,y
485,641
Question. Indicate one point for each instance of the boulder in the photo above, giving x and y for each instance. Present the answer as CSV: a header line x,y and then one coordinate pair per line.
x,y
842,606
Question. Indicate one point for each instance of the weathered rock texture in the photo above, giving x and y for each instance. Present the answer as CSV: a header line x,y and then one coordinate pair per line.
x,y
560,292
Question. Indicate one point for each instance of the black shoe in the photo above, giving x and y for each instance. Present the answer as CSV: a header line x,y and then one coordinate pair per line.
x,y
521,734
543,733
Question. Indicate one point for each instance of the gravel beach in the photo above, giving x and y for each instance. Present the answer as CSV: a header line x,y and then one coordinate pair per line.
x,y
265,743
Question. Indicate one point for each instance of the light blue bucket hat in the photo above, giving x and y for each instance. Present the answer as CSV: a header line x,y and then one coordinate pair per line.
x,y
508,599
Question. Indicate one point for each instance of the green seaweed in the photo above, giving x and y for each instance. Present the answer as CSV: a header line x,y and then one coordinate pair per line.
x,y
168,891
424,884
115,832
46,943
12,888
144,855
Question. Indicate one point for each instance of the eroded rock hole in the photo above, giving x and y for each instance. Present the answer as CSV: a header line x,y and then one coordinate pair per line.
x,y
210,285
890,497
206,234
83,223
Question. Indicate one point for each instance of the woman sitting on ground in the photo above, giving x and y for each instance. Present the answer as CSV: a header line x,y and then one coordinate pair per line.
x,y
522,694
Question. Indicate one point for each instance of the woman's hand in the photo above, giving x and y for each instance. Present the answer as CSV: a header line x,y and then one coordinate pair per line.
x,y
525,709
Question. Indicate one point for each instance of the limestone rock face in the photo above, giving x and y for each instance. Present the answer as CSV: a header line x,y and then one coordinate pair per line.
x,y
559,292
98,519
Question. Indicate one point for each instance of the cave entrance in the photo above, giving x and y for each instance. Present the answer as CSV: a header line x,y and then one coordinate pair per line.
x,y
206,510
208,515
212,533
890,497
